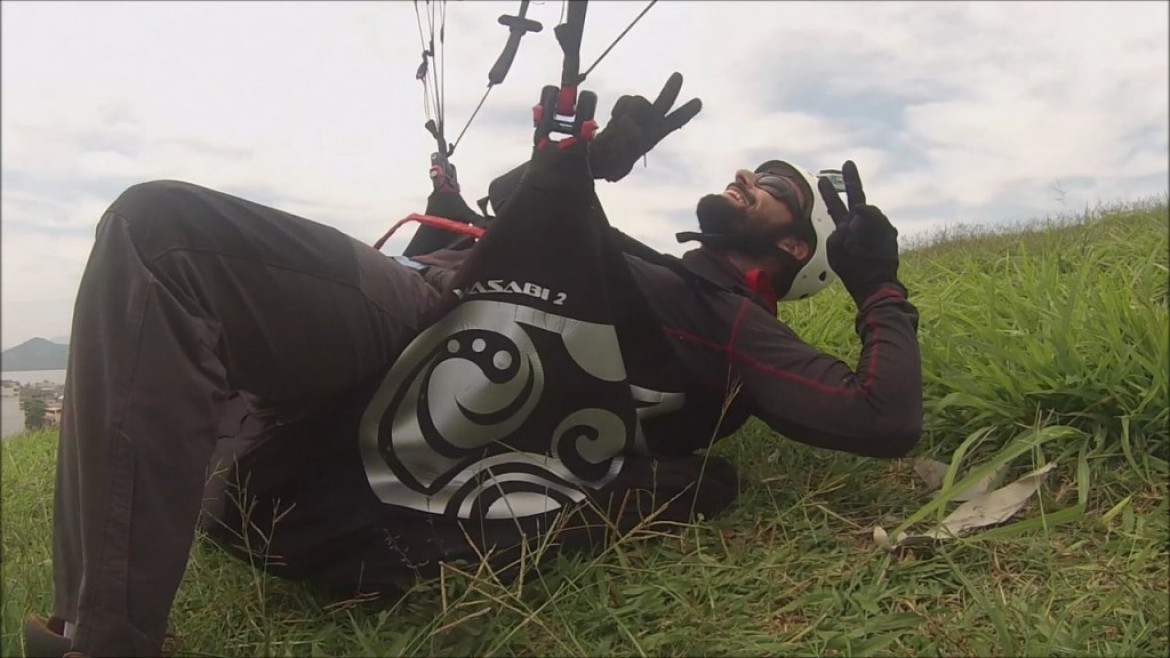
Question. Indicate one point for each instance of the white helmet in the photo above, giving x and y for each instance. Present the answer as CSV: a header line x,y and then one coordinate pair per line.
x,y
815,275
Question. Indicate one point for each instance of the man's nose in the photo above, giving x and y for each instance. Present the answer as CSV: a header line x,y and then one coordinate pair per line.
x,y
745,178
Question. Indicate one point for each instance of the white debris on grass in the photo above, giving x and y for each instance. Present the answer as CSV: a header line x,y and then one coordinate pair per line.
x,y
982,509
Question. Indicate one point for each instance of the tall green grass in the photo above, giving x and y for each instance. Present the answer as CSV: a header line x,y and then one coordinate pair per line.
x,y
1047,344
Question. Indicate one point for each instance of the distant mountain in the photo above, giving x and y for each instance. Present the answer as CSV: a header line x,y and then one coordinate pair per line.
x,y
35,354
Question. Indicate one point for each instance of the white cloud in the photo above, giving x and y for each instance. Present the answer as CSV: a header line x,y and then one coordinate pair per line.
x,y
39,286
973,107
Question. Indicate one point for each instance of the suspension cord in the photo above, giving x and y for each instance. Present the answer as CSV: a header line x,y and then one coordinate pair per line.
x,y
432,72
589,70
423,67
435,81
442,85
518,26
475,112
431,86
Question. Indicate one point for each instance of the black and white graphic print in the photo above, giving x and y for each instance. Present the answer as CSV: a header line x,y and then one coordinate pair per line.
x,y
516,400
452,429
652,404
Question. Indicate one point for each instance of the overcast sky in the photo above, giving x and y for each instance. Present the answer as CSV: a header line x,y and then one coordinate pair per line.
x,y
955,112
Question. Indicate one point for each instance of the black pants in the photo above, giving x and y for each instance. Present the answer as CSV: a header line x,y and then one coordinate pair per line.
x,y
195,308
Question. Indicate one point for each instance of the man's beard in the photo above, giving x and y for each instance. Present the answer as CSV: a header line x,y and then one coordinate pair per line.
x,y
717,215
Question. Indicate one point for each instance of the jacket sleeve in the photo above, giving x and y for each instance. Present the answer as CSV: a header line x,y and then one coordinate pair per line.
x,y
441,266
874,409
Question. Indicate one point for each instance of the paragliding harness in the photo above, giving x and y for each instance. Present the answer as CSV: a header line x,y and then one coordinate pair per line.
x,y
517,398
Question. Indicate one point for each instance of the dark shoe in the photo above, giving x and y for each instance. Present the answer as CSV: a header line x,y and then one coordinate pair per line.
x,y
45,638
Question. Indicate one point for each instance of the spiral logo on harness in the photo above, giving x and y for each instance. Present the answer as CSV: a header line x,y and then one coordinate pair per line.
x,y
453,428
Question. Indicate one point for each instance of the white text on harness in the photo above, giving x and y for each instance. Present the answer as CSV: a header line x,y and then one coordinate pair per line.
x,y
511,287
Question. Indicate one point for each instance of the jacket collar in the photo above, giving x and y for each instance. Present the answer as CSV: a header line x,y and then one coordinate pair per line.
x,y
714,266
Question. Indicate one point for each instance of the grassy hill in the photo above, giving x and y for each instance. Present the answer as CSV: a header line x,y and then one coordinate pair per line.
x,y
1049,343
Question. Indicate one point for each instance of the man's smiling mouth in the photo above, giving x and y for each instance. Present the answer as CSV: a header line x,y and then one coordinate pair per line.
x,y
735,193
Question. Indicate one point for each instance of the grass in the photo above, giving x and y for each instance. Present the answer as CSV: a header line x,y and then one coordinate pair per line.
x,y
1048,344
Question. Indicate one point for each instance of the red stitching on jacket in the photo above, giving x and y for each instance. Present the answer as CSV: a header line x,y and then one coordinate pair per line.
x,y
882,293
735,325
695,339
725,348
870,370
811,383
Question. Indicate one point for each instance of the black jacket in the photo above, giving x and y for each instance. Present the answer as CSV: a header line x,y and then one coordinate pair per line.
x,y
740,361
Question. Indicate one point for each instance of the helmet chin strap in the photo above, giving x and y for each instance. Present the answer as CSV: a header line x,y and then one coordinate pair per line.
x,y
721,241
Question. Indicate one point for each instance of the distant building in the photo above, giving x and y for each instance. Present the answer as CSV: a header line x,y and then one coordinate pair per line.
x,y
46,391
52,415
9,388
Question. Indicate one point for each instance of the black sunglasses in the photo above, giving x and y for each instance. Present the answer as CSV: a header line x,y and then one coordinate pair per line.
x,y
780,180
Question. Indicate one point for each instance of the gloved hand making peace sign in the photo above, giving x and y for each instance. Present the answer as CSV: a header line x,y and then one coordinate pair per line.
x,y
863,249
636,125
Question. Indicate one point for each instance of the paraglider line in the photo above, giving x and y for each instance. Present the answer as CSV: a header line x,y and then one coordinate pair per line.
x,y
615,42
468,124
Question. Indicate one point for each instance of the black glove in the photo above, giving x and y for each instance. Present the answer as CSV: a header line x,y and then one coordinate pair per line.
x,y
863,249
636,126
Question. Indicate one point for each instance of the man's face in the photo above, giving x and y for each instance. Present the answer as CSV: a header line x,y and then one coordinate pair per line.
x,y
762,206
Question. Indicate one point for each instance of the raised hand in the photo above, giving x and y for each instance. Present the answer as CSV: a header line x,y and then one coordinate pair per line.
x,y
863,249
636,126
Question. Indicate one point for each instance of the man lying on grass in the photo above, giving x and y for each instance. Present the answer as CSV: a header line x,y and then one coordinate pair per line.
x,y
385,415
